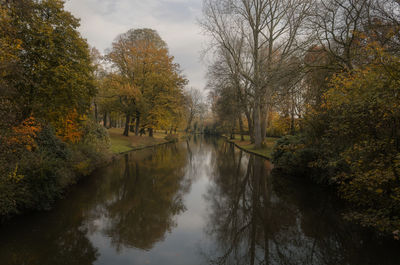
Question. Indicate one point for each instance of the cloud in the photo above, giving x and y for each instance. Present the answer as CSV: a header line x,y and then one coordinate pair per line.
x,y
175,21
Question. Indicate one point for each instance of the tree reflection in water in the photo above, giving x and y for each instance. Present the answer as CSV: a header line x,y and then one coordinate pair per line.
x,y
144,196
133,202
251,217
258,218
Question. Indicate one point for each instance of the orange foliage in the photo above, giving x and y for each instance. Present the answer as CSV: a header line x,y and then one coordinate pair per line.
x,y
25,133
68,129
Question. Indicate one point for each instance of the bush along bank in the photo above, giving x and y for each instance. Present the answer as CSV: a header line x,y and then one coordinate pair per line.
x,y
370,188
37,165
49,81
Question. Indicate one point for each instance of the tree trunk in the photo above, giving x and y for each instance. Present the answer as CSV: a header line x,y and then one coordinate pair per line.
x,y
257,83
292,126
241,127
257,124
96,115
250,124
233,129
264,115
151,132
137,123
127,120
189,122
105,119
131,126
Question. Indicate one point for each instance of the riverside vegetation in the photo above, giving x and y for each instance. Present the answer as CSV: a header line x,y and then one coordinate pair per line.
x,y
323,74
57,100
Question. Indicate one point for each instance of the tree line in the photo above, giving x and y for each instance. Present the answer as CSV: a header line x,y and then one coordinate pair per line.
x,y
325,73
57,95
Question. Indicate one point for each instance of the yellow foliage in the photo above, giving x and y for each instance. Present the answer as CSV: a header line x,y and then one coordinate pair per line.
x,y
69,129
279,125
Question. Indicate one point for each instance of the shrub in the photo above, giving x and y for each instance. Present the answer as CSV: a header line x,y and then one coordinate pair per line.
x,y
291,156
92,150
40,175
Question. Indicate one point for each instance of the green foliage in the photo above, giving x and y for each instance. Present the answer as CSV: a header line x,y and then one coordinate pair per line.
x,y
41,175
364,105
53,61
46,90
291,156
93,149
355,132
10,188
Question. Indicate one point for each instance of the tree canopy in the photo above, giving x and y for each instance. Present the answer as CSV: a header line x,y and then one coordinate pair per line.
x,y
146,81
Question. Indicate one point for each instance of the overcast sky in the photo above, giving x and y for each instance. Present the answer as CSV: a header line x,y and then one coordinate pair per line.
x,y
175,21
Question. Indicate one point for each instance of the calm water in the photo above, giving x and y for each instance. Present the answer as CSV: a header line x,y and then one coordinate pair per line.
x,y
197,202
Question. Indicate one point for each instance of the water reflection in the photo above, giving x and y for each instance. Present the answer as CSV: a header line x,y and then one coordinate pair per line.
x,y
196,202
258,218
144,198
133,202
47,239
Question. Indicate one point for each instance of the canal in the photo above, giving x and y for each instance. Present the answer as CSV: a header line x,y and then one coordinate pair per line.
x,y
197,202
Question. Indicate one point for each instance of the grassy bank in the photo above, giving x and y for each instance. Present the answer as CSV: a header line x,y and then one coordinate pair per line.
x,y
121,144
248,146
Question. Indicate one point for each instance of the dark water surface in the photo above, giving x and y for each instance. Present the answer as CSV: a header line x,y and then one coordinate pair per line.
x,y
197,202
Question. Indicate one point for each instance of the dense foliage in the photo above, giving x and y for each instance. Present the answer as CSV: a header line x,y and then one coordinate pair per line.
x,y
352,140
46,86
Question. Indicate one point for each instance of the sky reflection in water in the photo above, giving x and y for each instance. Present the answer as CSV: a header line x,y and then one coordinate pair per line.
x,y
197,202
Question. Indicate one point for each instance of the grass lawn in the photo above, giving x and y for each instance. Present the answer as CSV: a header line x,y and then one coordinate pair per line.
x,y
121,144
247,145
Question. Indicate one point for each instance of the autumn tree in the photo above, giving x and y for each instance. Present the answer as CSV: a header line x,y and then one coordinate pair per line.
x,y
149,84
46,90
350,130
370,176
54,61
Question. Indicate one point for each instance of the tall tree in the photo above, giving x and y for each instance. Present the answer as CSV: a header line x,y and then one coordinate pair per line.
x,y
149,82
259,35
55,71
194,103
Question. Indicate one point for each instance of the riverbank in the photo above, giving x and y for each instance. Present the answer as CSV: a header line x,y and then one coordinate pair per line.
x,y
247,146
122,144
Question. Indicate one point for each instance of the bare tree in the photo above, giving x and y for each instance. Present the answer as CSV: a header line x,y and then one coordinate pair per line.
x,y
336,24
195,105
385,24
259,35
